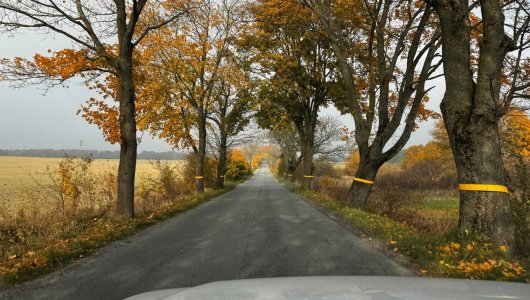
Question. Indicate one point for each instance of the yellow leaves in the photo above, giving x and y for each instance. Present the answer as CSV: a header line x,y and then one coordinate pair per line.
x,y
451,248
424,153
480,269
237,155
454,246
352,162
65,63
274,13
438,149
508,275
515,133
13,256
477,261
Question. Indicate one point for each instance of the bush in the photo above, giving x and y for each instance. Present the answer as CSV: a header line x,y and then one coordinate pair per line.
x,y
189,171
237,167
426,175
332,187
324,167
401,204
161,189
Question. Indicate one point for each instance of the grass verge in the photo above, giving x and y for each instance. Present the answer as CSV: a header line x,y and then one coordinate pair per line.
x,y
95,234
450,255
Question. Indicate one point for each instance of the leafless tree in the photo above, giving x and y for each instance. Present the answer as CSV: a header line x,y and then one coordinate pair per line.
x,y
330,138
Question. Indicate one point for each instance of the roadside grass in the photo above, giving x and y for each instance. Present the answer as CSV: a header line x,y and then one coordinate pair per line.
x,y
91,235
451,254
440,204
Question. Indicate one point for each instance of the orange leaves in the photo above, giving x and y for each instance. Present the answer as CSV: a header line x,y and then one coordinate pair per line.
x,y
104,116
68,63
280,13
438,149
237,155
237,166
180,68
65,63
18,61
261,153
424,153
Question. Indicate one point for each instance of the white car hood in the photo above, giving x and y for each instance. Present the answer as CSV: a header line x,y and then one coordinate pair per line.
x,y
345,288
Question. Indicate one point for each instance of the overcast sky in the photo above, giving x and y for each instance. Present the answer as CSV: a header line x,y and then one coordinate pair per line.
x,y
31,119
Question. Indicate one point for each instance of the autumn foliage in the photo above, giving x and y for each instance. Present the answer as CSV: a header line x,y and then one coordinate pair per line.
x,y
515,130
237,166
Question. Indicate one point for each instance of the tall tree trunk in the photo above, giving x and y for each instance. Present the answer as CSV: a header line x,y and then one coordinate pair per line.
x,y
470,116
307,153
478,159
201,153
359,191
128,145
221,164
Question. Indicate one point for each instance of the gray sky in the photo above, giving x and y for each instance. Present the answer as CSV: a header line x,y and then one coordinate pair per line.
x,y
30,119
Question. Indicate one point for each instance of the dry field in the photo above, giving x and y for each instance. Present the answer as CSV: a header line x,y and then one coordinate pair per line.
x,y
20,173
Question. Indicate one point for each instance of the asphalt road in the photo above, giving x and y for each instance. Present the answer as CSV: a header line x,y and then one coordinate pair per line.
x,y
259,229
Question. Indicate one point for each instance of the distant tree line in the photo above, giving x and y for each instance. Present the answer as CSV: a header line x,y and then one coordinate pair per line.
x,y
96,154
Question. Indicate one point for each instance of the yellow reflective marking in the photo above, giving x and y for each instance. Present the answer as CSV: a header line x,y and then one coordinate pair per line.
x,y
483,187
363,180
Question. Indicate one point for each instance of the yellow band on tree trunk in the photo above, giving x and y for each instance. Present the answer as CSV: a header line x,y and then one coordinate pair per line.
x,y
483,187
199,177
289,175
363,180
308,176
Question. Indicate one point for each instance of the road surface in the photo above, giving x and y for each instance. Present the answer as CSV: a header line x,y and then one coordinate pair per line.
x,y
259,229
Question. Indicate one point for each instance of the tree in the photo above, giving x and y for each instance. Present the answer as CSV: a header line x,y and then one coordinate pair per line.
x,y
89,25
186,63
230,112
483,82
296,66
330,142
289,143
436,151
422,154
386,52
331,138
250,150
